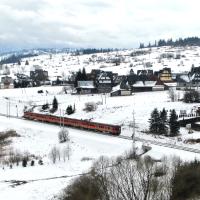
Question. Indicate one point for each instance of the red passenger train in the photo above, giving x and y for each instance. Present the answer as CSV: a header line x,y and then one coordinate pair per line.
x,y
77,123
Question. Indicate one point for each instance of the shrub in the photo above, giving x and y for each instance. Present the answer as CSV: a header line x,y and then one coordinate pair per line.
x,y
83,188
186,181
70,110
40,162
24,162
45,106
32,162
191,97
63,135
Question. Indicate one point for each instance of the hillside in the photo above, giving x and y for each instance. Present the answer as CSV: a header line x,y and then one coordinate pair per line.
x,y
64,64
37,139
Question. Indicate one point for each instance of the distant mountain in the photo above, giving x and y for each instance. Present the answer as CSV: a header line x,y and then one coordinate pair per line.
x,y
14,56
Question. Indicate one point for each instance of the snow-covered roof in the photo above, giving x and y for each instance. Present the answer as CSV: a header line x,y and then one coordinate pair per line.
x,y
172,84
86,84
144,84
116,88
185,78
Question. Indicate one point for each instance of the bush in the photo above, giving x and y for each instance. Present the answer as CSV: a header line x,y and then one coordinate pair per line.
x,y
191,97
186,181
63,135
32,162
45,106
83,188
24,162
70,110
90,106
40,162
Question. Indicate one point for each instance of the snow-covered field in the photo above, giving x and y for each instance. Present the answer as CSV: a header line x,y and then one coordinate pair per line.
x,y
38,138
46,181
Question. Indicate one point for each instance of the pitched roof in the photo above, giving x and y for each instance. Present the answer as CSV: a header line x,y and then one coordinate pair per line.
x,y
144,84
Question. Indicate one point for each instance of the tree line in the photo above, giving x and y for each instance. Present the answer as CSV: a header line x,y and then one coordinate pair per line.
x,y
93,51
190,41
15,58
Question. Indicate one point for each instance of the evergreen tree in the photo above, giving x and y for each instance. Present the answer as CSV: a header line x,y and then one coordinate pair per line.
x,y
84,75
69,110
141,45
55,104
24,162
74,108
154,122
26,63
163,122
173,123
78,77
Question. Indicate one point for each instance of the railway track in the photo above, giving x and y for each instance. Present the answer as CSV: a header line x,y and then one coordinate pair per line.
x,y
168,145
10,116
153,142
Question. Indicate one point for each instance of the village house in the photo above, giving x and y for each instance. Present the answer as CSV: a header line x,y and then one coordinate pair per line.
x,y
39,76
118,91
164,75
85,87
105,82
194,76
6,82
183,81
22,81
146,86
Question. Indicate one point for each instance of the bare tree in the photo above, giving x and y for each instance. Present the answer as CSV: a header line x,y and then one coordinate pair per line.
x,y
131,180
54,154
172,94
66,152
63,135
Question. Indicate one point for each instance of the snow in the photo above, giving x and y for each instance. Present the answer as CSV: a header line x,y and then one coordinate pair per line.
x,y
144,83
45,182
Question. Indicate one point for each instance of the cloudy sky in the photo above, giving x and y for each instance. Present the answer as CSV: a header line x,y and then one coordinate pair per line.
x,y
95,23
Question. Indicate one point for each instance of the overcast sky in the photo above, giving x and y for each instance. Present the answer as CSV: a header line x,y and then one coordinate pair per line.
x,y
95,23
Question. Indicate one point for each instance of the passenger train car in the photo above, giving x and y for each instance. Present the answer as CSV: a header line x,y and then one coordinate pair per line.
x,y
77,123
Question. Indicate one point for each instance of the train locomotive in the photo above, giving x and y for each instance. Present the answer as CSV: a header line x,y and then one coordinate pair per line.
x,y
77,123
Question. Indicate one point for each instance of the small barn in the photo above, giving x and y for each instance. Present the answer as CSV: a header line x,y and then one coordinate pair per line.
x,y
118,91
121,92
86,87
6,82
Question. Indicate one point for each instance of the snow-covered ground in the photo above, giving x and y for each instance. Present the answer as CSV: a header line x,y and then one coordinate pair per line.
x,y
64,64
38,138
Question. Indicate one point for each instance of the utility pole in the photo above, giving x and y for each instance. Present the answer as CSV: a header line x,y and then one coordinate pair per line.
x,y
17,110
60,118
133,135
63,118
9,107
